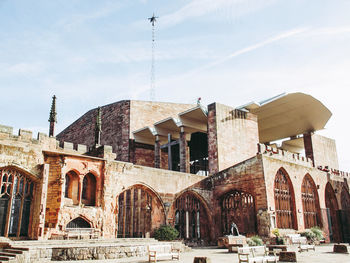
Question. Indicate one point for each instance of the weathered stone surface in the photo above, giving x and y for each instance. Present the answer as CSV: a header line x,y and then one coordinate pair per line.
x,y
340,248
288,256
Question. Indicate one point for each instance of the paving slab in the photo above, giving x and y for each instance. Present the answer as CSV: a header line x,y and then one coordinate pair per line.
x,y
323,254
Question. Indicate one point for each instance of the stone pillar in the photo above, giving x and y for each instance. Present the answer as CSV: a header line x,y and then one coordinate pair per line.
x,y
184,156
157,153
43,198
309,152
212,140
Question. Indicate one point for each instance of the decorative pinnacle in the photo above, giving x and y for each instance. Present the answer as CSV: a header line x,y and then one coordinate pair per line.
x,y
98,127
53,114
98,120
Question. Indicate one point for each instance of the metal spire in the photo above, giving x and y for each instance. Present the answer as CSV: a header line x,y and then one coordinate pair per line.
x,y
153,20
98,127
53,116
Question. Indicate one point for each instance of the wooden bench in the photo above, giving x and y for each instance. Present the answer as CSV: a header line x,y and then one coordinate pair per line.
x,y
81,233
156,252
255,254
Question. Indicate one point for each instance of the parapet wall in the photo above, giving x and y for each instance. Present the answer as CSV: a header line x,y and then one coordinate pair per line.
x,y
297,159
46,143
284,155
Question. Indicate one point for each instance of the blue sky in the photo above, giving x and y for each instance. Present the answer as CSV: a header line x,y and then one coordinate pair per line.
x,y
92,53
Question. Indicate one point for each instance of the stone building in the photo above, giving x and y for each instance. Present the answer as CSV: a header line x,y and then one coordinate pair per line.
x,y
126,168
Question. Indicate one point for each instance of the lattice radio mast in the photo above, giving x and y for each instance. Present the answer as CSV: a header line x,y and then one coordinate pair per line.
x,y
153,20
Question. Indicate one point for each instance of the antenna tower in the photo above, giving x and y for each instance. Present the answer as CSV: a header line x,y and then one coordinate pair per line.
x,y
153,20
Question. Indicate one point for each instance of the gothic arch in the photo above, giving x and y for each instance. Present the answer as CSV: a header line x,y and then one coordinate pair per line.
x,y
345,199
238,207
16,197
72,188
79,222
88,195
191,216
311,204
140,210
345,214
284,200
332,208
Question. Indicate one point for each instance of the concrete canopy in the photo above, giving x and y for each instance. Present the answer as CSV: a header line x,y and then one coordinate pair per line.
x,y
192,120
288,115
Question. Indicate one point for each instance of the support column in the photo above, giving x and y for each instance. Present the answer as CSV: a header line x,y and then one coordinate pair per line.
x,y
157,160
309,152
184,156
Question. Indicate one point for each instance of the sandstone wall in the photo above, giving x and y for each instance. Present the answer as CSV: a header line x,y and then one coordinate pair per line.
x,y
236,136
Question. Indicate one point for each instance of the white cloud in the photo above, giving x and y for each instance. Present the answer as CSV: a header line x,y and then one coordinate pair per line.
x,y
22,68
198,8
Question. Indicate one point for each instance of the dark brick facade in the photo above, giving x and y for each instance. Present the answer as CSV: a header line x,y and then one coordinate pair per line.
x,y
115,129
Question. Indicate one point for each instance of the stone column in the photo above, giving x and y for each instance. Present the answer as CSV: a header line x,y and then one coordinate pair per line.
x,y
212,140
309,152
184,156
157,153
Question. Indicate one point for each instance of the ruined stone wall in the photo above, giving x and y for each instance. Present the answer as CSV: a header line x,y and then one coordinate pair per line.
x,y
248,177
297,167
23,153
236,136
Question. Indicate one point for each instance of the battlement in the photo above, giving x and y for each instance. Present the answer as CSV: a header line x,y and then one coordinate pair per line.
x,y
50,143
284,155
334,171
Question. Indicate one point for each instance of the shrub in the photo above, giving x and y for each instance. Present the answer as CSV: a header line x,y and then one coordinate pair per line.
x,y
165,232
317,232
276,232
310,236
255,241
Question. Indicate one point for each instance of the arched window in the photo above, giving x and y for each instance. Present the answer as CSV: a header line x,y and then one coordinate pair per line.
x,y
345,214
78,222
239,208
66,186
189,216
332,210
89,190
71,187
16,197
139,212
311,206
284,201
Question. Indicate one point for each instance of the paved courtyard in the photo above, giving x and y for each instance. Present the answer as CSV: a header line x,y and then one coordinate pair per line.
x,y
322,254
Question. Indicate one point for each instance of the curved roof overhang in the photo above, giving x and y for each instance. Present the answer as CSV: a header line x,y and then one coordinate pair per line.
x,y
288,115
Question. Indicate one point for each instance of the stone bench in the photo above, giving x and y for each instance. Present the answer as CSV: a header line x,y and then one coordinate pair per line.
x,y
296,239
255,254
306,247
156,252
81,233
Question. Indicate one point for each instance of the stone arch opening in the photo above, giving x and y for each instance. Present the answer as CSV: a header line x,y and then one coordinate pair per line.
x,y
345,214
191,217
78,222
238,207
16,198
332,208
88,194
72,187
284,201
311,204
140,211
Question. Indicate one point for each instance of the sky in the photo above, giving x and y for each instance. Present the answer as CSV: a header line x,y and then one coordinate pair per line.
x,y
91,53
